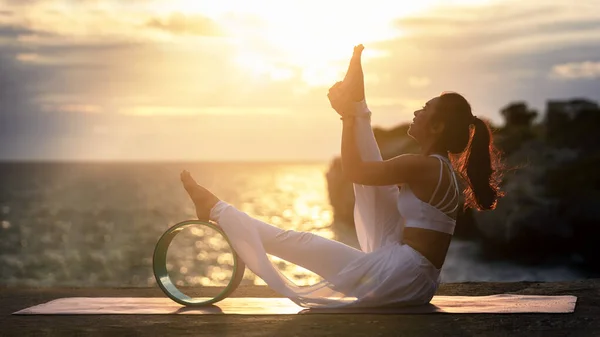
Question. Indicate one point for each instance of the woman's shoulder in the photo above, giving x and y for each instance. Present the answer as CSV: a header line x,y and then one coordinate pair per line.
x,y
428,162
423,167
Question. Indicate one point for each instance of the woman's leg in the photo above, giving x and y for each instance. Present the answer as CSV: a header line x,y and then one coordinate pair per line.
x,y
315,253
376,215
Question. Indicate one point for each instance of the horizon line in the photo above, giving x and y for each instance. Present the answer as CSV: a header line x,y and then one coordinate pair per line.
x,y
163,161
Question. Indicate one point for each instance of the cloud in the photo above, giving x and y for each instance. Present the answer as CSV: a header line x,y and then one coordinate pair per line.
x,y
180,24
577,70
492,54
143,84
418,82
74,108
125,95
14,30
502,28
26,132
191,111
45,21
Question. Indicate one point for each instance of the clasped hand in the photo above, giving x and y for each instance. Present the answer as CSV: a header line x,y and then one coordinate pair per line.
x,y
340,99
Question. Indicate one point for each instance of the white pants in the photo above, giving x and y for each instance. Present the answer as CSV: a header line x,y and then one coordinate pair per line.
x,y
378,224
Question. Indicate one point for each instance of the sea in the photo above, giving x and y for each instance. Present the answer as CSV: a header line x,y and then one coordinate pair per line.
x,y
96,224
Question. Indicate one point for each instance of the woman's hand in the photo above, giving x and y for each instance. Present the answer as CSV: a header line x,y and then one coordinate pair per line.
x,y
340,99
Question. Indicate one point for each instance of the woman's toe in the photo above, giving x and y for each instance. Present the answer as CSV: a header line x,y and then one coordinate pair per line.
x,y
187,179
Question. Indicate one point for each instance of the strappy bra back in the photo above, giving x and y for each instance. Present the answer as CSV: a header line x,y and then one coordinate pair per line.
x,y
438,216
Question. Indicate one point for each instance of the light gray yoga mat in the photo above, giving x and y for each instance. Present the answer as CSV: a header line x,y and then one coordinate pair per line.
x,y
501,304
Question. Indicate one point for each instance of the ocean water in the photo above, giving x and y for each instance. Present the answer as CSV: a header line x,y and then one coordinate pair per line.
x,y
96,224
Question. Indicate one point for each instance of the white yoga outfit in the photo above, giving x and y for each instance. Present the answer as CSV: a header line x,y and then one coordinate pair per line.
x,y
385,271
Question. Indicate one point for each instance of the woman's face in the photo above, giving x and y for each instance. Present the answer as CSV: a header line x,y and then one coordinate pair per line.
x,y
422,128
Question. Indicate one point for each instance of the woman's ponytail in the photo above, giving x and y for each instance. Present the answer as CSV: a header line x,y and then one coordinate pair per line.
x,y
479,165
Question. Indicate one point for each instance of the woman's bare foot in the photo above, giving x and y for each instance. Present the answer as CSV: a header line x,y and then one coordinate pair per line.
x,y
203,199
354,79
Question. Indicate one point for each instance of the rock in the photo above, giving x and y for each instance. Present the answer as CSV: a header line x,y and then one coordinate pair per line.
x,y
526,219
341,195
552,202
525,193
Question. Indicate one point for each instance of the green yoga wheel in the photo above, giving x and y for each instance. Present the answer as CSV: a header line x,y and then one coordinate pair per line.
x,y
159,265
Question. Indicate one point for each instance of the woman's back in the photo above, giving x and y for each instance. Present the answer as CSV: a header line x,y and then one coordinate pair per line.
x,y
429,208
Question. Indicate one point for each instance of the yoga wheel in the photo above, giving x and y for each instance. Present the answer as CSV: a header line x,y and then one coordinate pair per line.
x,y
161,270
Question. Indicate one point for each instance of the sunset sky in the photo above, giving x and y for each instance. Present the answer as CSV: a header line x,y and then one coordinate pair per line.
x,y
247,80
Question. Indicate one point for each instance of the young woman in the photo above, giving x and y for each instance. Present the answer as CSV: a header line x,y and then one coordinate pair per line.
x,y
404,233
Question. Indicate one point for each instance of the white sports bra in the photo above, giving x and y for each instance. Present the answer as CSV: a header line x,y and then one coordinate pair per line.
x,y
420,214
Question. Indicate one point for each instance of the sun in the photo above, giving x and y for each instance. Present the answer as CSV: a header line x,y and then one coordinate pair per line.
x,y
311,40
313,46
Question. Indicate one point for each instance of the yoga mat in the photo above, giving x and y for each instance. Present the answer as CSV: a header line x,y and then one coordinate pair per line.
x,y
499,304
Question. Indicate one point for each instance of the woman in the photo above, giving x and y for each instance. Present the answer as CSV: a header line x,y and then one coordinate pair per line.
x,y
404,233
